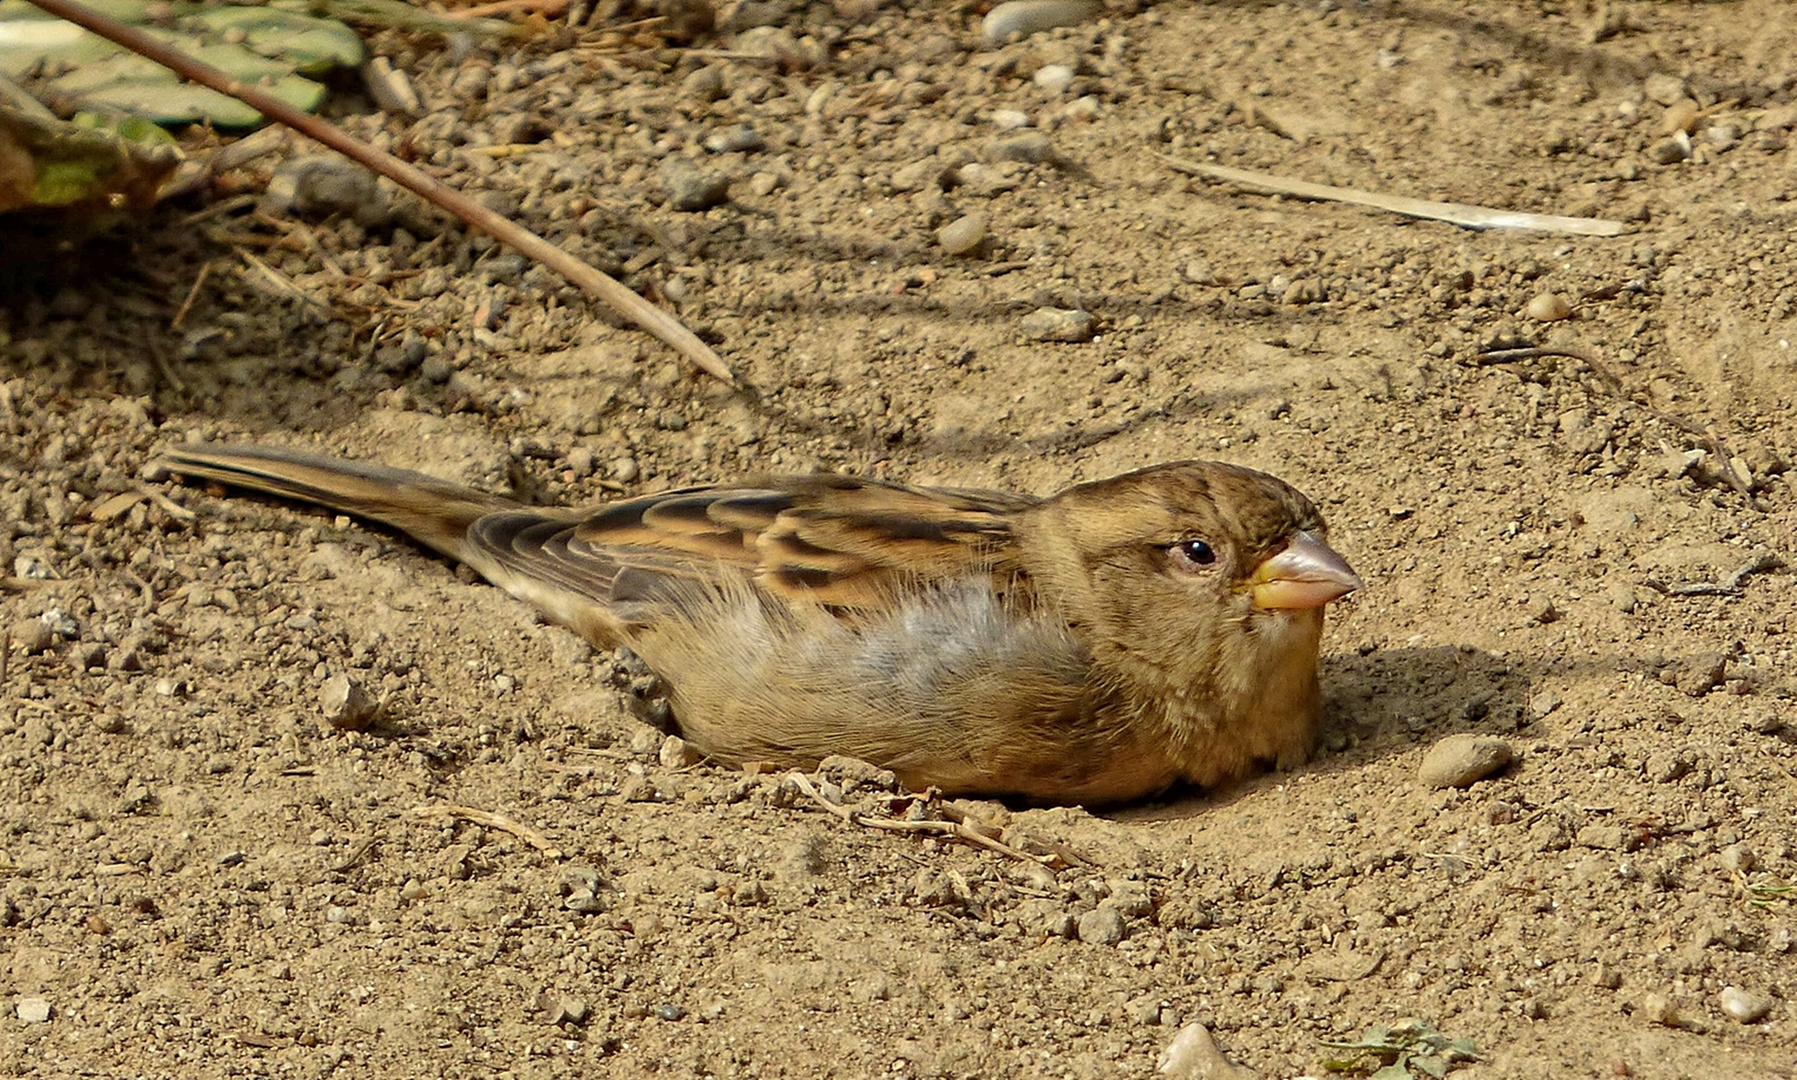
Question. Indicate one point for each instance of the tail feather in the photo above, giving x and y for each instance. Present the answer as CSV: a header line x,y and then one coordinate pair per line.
x,y
434,512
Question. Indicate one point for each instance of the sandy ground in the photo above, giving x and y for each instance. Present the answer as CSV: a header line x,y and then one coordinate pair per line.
x,y
201,877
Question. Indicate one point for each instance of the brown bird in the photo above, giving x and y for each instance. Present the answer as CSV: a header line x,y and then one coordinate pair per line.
x,y
1094,646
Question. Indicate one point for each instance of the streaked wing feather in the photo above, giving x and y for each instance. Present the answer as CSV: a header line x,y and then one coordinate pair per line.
x,y
837,541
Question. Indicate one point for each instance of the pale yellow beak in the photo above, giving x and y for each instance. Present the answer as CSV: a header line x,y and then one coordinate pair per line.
x,y
1307,574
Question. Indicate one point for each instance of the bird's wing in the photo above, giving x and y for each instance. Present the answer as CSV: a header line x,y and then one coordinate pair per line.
x,y
842,542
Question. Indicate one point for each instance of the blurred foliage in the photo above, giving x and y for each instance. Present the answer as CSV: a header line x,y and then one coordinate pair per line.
x,y
280,51
92,165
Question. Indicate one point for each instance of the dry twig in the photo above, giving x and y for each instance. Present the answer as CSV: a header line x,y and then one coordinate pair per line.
x,y
549,9
492,821
1760,563
1462,214
953,830
607,289
1711,441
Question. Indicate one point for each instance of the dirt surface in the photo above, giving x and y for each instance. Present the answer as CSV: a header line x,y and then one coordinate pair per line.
x,y
200,876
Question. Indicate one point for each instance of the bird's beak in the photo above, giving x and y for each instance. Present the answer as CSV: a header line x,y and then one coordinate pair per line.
x,y
1307,574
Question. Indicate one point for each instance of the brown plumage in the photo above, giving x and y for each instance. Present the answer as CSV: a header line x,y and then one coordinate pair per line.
x,y
1094,646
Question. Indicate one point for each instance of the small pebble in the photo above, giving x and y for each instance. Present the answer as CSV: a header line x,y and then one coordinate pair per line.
x,y
1029,147
964,235
705,84
1462,760
390,88
677,753
1548,307
1053,78
636,789
1698,675
1025,17
1622,597
1082,108
1194,1055
1010,119
931,173
317,186
1777,118
1101,926
33,1010
1058,324
645,741
1302,291
32,635
624,469
738,138
1680,116
690,188
1664,88
1669,151
1738,859
852,773
1745,1005
346,706
776,44
1658,1009
686,19
1722,136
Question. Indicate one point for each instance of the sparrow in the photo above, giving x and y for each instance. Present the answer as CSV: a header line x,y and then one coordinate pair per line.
x,y
1094,646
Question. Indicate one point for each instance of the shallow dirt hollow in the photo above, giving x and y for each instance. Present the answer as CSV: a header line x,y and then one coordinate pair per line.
x,y
200,877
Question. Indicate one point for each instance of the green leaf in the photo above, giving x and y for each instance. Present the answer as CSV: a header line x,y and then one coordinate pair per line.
x,y
1430,1063
276,49
1394,1071
86,174
188,102
311,46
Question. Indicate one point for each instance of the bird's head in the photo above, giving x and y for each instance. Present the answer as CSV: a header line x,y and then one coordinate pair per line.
x,y
1192,579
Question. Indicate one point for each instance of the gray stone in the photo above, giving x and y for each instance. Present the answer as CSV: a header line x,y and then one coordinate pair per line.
x,y
690,188
964,235
1462,760
1058,324
1745,1005
346,706
34,1010
1102,926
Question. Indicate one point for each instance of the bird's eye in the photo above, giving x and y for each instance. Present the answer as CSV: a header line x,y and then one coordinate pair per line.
x,y
1192,554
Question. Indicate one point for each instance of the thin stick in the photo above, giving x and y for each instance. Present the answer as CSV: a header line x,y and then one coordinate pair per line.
x,y
1724,459
167,505
280,282
953,830
492,821
192,295
1462,214
1759,564
620,299
549,9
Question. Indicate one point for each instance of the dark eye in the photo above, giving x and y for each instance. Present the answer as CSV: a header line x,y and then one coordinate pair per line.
x,y
1192,554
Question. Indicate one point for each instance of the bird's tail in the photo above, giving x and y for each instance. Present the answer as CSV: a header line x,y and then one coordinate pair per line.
x,y
434,512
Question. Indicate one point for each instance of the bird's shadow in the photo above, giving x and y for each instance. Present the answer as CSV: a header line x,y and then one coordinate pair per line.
x,y
1376,705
